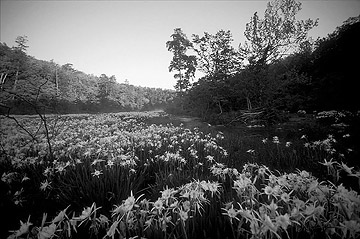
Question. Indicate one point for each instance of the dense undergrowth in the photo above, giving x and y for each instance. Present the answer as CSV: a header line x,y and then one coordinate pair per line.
x,y
138,175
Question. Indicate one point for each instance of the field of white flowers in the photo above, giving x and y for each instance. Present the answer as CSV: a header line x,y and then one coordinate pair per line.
x,y
121,176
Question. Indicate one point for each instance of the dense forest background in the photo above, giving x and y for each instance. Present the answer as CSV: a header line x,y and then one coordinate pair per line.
x,y
29,86
278,70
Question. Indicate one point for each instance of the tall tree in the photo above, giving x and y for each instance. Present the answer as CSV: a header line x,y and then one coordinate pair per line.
x,y
55,68
217,58
21,42
269,39
183,64
278,33
20,56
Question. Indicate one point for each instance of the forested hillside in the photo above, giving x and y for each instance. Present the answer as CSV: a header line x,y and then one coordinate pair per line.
x,y
29,84
278,69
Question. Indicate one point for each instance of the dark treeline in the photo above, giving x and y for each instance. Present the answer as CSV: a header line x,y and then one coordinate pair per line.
x,y
29,86
278,69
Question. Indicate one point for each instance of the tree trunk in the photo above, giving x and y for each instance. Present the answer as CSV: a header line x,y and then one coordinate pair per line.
x,y
219,104
2,80
56,81
248,103
15,83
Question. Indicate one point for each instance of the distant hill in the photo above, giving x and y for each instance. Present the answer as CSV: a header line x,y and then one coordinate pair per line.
x,y
28,83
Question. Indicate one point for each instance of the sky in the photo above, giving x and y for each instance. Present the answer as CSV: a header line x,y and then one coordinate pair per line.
x,y
127,38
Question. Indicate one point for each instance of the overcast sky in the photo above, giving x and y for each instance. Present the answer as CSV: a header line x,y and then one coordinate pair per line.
x,y
127,38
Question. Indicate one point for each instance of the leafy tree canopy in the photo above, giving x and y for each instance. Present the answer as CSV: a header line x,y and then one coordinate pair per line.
x,y
182,63
277,34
